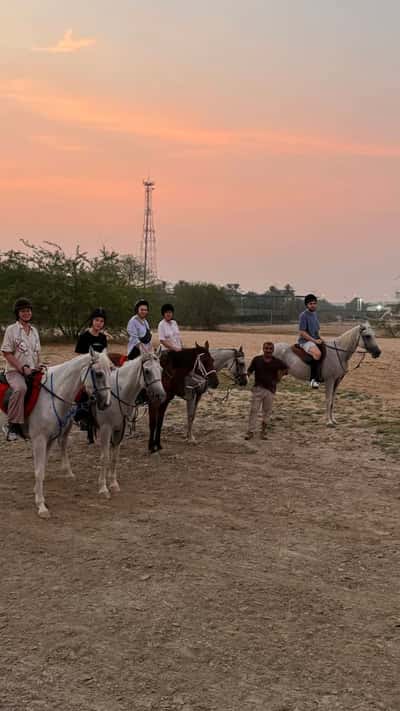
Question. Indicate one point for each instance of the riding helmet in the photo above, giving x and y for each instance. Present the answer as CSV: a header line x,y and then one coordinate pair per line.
x,y
98,312
141,302
20,304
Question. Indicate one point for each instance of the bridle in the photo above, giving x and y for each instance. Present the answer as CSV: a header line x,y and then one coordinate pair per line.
x,y
237,362
201,367
338,350
120,400
63,421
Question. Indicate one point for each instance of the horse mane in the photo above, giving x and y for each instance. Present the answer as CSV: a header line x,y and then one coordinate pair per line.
x,y
186,358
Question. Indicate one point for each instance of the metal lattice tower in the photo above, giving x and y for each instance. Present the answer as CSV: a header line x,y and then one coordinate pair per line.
x,y
148,255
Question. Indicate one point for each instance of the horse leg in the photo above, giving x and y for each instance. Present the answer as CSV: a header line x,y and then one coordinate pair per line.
x,y
329,395
114,485
39,450
335,387
153,416
160,419
65,462
105,444
191,408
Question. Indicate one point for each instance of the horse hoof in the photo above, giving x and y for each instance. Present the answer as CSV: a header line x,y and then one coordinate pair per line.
x,y
70,475
105,493
115,487
44,512
331,424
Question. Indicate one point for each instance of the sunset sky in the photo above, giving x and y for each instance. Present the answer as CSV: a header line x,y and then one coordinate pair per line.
x,y
271,129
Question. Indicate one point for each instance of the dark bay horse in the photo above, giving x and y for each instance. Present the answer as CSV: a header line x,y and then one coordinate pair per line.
x,y
182,370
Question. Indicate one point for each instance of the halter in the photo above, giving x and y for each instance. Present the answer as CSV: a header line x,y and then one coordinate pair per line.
x,y
348,351
200,365
236,362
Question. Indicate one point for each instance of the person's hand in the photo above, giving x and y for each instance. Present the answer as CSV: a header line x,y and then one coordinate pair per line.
x,y
26,371
318,341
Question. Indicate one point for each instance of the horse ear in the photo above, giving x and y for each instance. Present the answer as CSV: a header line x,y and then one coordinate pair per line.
x,y
240,349
93,354
196,344
207,345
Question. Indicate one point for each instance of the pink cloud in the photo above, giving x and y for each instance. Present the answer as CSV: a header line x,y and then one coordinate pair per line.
x,y
68,44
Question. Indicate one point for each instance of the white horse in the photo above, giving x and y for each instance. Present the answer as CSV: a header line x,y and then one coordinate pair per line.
x,y
127,382
336,363
52,415
231,359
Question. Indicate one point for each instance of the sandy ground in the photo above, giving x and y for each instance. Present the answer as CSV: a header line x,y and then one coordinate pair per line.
x,y
228,576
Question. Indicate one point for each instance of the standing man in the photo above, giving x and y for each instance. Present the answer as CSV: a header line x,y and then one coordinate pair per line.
x,y
168,330
21,349
309,338
268,371
139,330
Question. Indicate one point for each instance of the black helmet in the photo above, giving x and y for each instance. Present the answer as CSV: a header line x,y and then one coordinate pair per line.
x,y
20,304
309,297
165,308
98,312
141,302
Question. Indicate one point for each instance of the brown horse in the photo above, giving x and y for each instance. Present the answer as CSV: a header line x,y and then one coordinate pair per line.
x,y
182,370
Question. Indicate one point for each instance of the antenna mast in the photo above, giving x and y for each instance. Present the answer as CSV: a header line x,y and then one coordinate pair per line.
x,y
148,254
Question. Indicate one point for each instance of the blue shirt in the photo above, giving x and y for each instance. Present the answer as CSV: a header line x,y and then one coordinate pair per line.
x,y
308,322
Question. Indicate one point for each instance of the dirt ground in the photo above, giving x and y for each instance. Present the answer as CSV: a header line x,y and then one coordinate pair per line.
x,y
227,576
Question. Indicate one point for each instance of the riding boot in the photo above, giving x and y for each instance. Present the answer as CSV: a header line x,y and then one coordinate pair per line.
x,y
315,368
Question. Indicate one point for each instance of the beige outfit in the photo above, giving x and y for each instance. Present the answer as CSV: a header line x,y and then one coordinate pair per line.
x,y
261,398
25,346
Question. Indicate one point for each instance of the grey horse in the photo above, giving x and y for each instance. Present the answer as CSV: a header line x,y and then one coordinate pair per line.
x,y
336,363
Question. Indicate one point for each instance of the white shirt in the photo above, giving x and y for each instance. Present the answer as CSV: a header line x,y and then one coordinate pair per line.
x,y
137,329
169,331
24,345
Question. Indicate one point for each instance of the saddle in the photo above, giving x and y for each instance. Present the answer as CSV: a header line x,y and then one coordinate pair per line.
x,y
33,389
315,366
300,352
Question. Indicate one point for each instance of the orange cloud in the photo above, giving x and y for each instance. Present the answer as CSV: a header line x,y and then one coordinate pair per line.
x,y
67,44
96,114
54,143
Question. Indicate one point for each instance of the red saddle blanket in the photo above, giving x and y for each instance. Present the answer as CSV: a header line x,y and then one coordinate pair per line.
x,y
117,358
31,396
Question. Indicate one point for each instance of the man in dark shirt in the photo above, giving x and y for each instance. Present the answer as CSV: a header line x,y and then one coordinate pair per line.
x,y
267,373
309,338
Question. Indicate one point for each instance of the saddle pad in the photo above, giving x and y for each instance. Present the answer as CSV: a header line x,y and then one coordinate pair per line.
x,y
117,359
31,397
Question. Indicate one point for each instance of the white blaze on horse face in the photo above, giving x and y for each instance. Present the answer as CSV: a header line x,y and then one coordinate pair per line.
x,y
96,379
152,377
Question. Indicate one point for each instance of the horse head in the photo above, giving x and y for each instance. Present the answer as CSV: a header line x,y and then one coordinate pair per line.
x,y
367,336
152,374
96,378
238,368
205,365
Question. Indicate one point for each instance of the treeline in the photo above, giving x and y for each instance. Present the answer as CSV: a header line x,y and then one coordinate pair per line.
x,y
64,289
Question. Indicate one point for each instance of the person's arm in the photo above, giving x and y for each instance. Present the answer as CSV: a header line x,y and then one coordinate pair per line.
x,y
282,367
164,340
80,344
250,369
13,361
133,332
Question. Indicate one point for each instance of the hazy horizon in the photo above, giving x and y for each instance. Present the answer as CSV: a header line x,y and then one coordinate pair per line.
x,y
271,131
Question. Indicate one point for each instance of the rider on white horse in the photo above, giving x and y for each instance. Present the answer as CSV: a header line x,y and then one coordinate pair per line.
x,y
21,349
309,338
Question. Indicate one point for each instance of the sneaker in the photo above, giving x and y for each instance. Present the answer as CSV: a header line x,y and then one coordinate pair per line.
x,y
314,384
249,435
11,436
